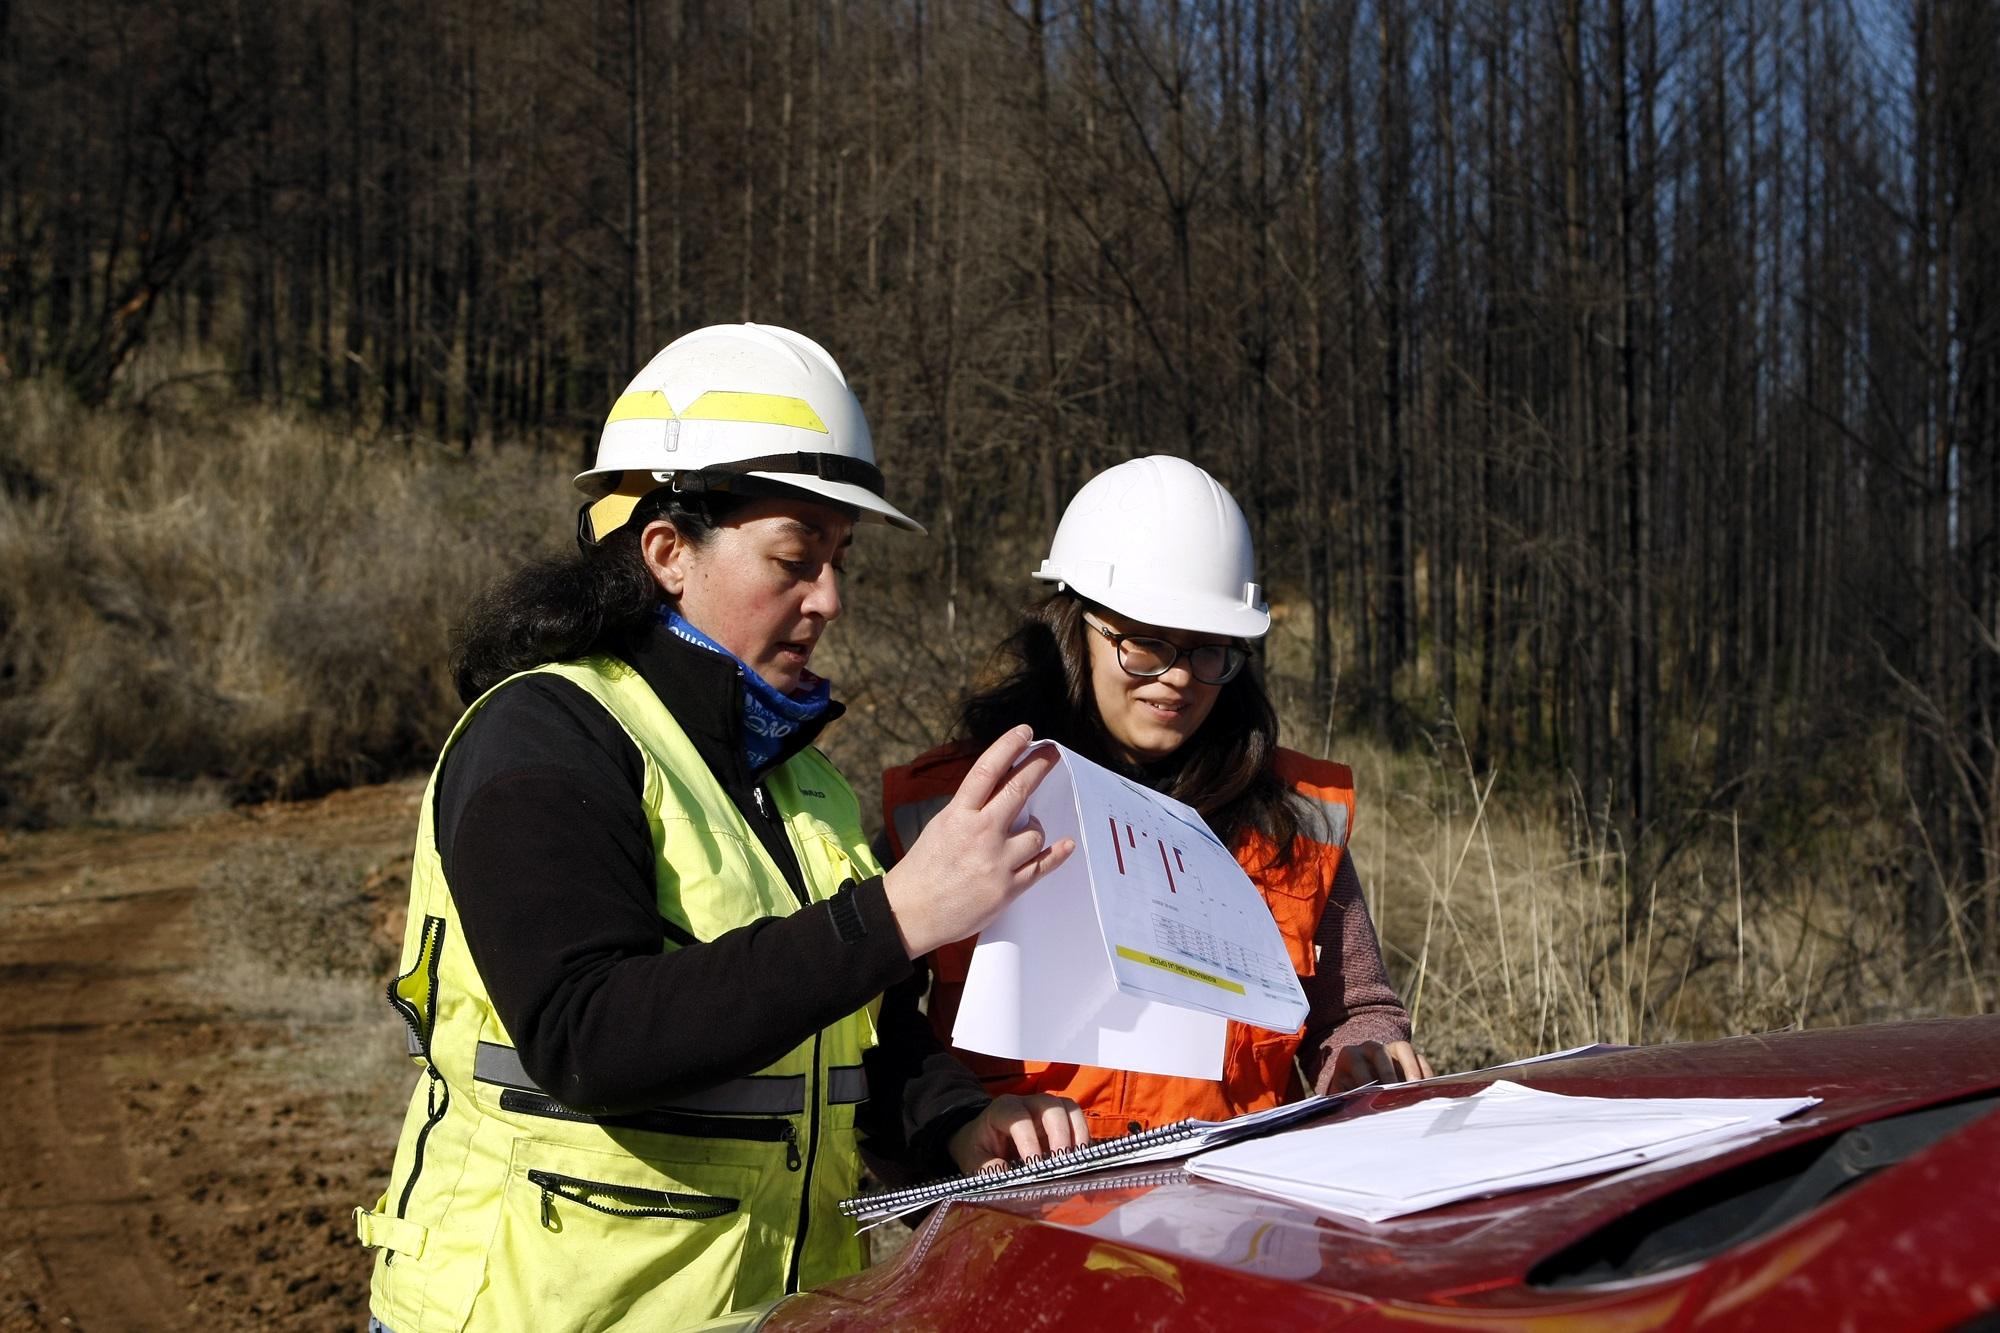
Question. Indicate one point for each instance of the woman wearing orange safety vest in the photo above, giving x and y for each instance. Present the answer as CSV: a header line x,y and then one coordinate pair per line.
x,y
1139,661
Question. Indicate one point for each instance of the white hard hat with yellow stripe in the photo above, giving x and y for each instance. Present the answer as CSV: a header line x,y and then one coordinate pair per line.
x,y
736,408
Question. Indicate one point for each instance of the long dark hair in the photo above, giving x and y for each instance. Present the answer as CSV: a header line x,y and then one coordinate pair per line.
x,y
565,607
1225,770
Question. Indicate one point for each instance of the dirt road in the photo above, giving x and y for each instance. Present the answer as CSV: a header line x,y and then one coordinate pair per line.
x,y
183,1137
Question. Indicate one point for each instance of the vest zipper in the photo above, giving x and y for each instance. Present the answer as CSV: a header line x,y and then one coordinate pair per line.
x,y
436,1099
649,1203
767,808
755,1129
812,1152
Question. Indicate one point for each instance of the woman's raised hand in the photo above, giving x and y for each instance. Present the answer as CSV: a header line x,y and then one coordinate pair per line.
x,y
972,859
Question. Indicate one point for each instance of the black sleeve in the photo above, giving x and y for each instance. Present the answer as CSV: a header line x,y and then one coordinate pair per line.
x,y
545,846
919,1093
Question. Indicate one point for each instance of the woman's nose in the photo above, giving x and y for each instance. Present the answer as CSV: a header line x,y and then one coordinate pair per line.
x,y
823,598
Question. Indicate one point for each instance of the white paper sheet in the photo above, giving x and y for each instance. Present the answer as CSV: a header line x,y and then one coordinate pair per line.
x,y
1135,953
1039,987
1505,1137
1182,921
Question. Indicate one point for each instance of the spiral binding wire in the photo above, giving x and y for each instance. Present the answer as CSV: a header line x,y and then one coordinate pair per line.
x,y
1100,1152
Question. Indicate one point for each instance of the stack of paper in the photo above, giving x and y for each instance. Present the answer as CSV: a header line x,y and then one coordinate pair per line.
x,y
1504,1137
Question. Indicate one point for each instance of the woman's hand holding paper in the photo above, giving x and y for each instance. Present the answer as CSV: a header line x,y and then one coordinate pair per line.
x,y
974,858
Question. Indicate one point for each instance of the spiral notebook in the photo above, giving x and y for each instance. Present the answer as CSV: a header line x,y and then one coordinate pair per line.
x,y
1163,1143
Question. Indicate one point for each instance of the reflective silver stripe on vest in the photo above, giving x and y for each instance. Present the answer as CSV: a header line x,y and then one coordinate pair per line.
x,y
1324,822
759,1094
846,1083
913,815
502,1065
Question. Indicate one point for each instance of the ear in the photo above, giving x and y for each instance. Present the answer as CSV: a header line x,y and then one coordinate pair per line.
x,y
666,553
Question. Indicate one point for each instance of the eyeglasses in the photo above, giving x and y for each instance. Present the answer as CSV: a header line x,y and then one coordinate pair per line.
x,y
1146,657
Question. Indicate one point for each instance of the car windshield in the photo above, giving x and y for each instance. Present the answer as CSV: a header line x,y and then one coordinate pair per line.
x,y
1721,1211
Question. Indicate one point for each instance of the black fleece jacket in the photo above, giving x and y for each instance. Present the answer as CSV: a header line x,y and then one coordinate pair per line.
x,y
544,842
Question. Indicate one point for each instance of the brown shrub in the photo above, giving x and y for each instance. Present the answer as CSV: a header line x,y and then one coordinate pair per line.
x,y
278,908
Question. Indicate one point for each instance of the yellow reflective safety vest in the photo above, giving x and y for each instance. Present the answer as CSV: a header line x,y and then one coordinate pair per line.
x,y
507,1210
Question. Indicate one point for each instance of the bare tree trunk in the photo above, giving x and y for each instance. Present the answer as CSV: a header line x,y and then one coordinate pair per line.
x,y
1449,465
639,325
874,209
677,191
1638,673
1394,637
1580,598
1049,486
1364,519
473,327
781,205
817,115
320,62
746,304
357,303
1262,317
262,375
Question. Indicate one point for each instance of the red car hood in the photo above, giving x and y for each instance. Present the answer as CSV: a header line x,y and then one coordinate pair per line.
x,y
1913,1245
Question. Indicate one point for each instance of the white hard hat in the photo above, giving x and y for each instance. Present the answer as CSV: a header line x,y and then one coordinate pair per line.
x,y
1159,540
737,401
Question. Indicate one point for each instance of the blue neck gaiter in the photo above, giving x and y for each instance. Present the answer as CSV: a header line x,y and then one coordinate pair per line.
x,y
768,716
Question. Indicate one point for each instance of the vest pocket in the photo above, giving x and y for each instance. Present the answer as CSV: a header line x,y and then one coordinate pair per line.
x,y
1258,1069
666,1120
625,1201
1297,897
616,1236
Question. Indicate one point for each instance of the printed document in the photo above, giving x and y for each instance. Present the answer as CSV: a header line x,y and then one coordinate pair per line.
x,y
1138,950
1503,1137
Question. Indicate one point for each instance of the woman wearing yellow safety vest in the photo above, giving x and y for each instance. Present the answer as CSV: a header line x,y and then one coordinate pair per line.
x,y
647,938
1140,662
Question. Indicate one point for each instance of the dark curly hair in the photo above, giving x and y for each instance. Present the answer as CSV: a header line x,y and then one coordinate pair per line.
x,y
1225,770
565,607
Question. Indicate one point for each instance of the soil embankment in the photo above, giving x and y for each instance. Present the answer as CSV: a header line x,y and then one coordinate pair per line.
x,y
185,1131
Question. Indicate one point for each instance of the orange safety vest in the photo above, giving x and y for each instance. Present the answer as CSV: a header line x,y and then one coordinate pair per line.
x,y
1257,1067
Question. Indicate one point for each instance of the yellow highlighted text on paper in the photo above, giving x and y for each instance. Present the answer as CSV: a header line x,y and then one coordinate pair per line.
x,y
1179,970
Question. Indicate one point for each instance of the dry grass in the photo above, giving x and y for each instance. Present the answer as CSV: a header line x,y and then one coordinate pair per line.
x,y
247,604
1505,920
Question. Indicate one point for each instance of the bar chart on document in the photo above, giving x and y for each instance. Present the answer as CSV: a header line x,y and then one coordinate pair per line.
x,y
1133,953
1181,921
